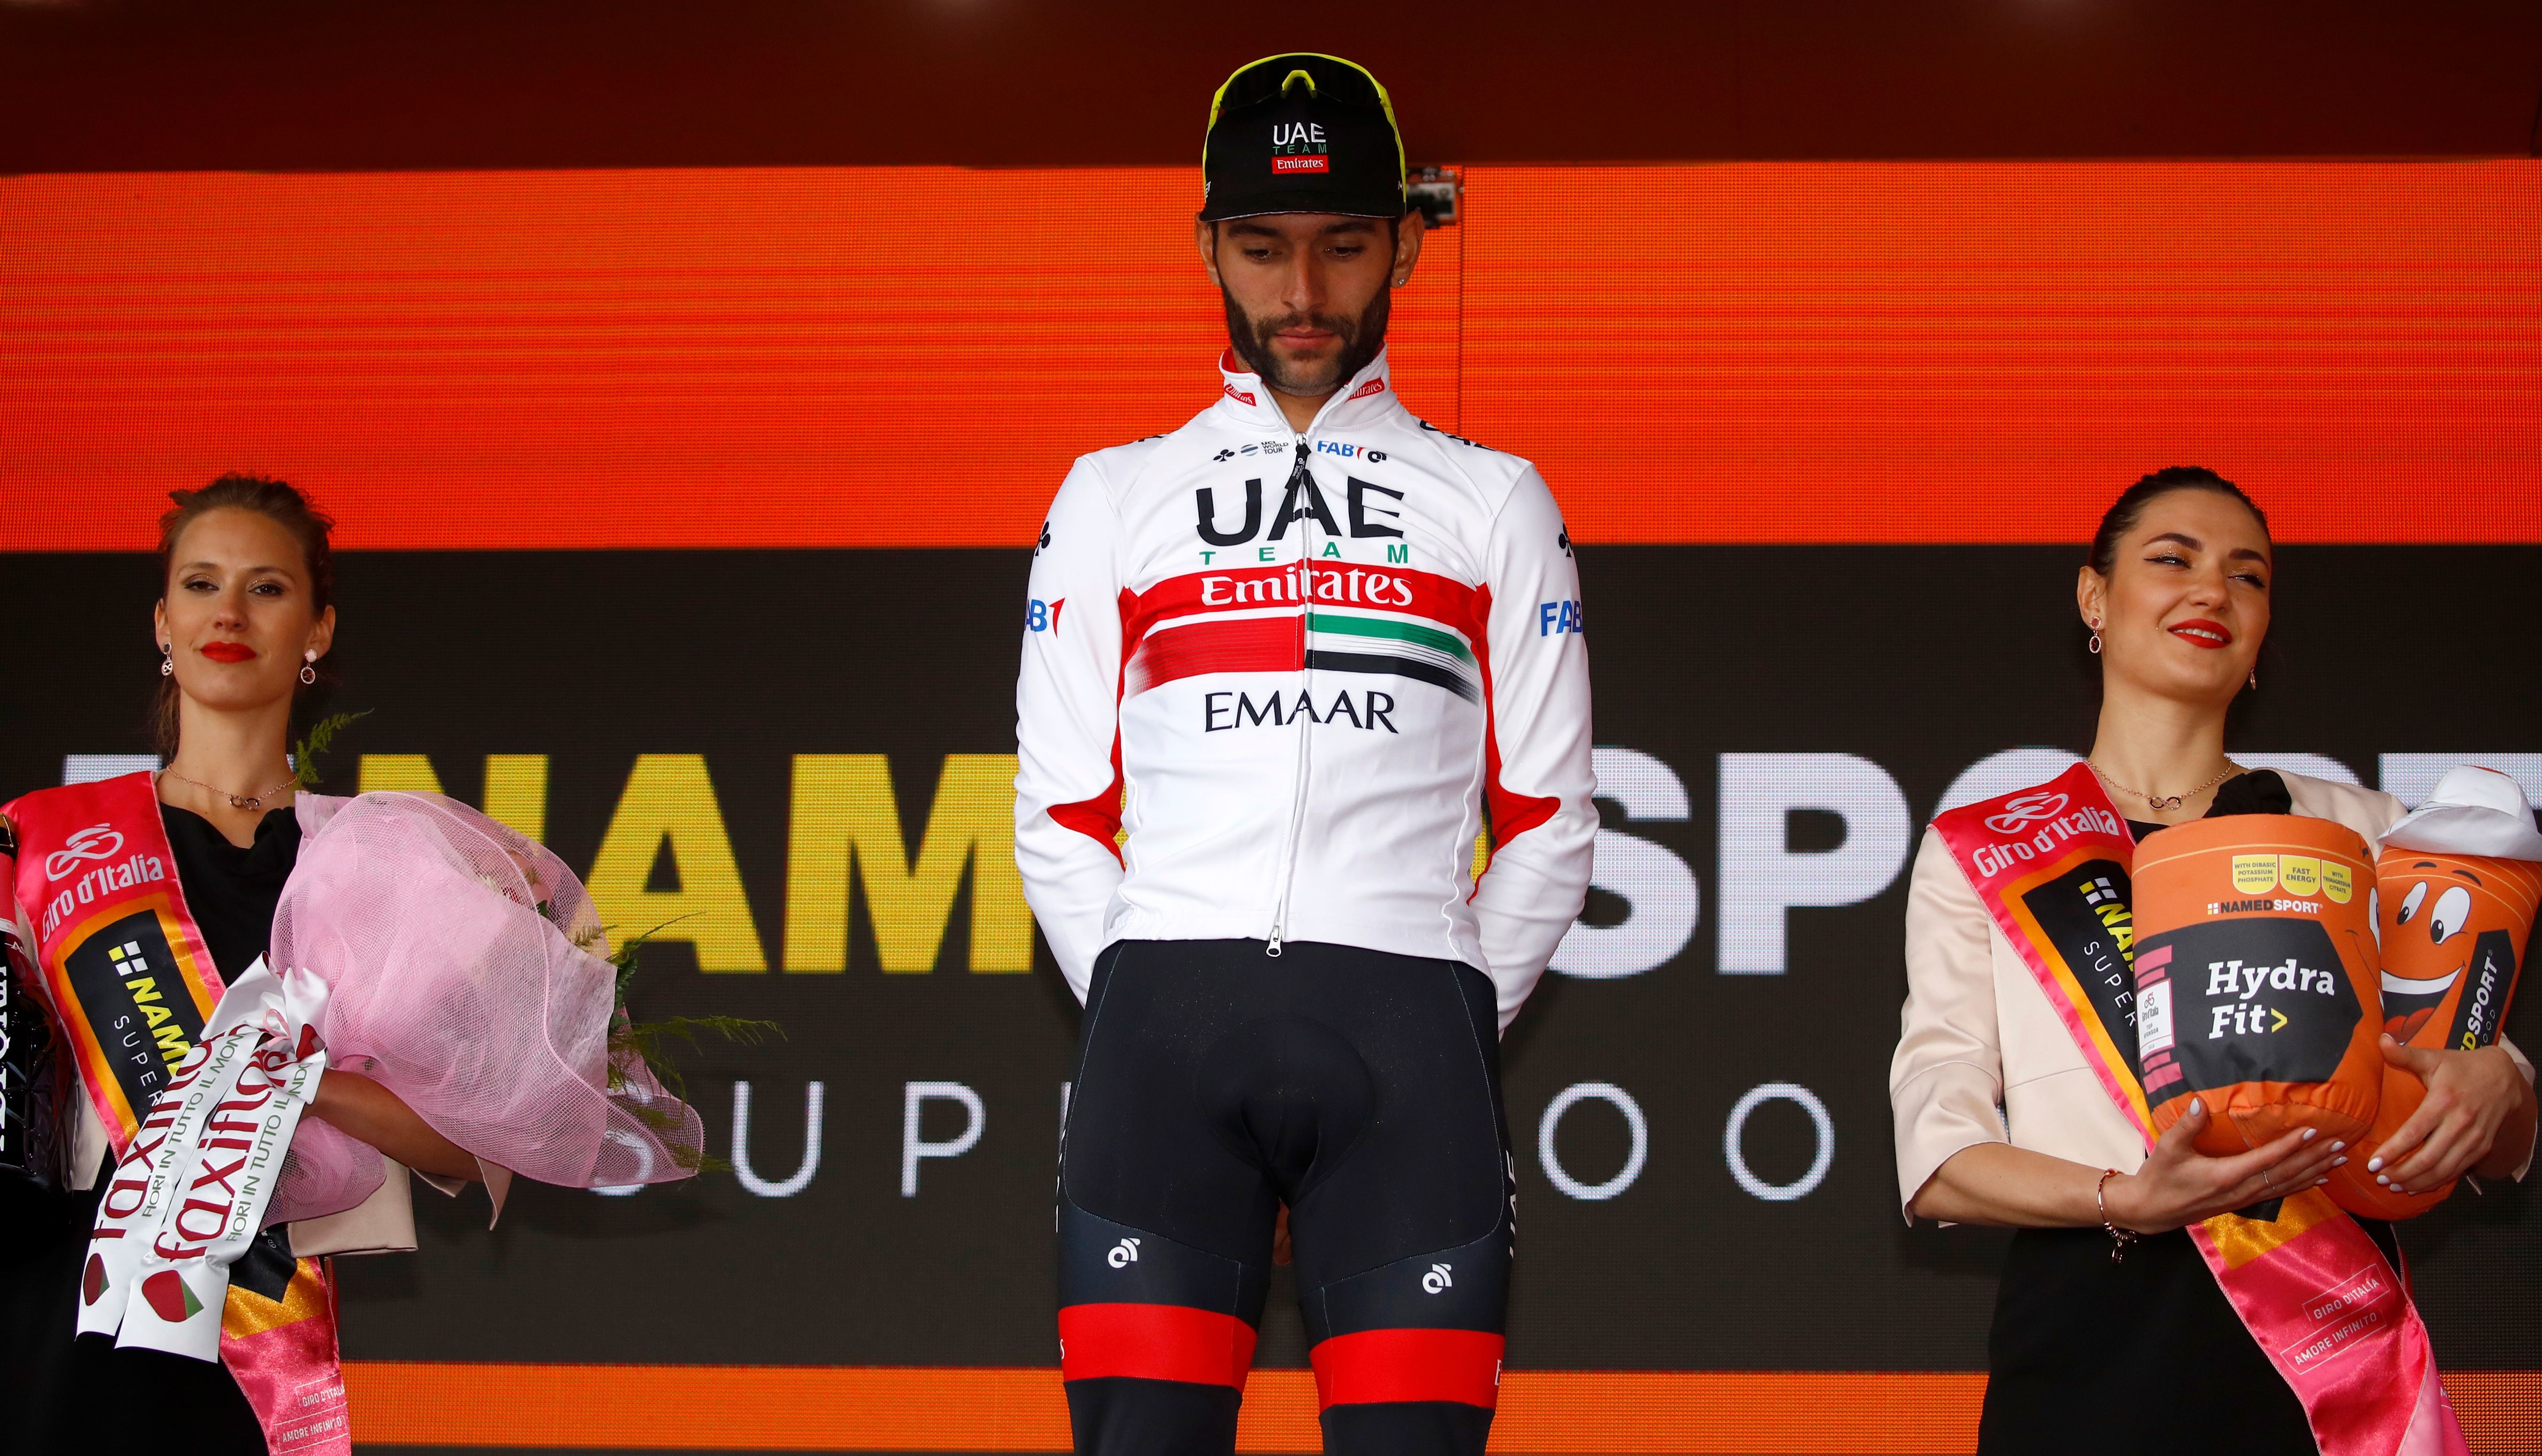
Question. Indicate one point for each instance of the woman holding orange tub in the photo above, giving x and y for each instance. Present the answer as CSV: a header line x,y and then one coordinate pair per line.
x,y
2138,1310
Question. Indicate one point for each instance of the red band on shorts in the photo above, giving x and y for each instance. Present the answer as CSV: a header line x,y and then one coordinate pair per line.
x,y
1154,1341
1461,1365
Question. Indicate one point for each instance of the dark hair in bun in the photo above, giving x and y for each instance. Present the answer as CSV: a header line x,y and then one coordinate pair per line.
x,y
2129,507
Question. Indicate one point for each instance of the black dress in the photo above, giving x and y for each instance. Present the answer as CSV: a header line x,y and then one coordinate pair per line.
x,y
2088,1357
65,1395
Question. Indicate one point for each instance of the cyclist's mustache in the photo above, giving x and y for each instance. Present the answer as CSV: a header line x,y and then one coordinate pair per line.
x,y
1345,329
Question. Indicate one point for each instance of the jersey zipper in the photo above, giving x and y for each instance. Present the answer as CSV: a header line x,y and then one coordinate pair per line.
x,y
1297,797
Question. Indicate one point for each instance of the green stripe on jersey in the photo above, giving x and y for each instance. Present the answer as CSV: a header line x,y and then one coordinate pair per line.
x,y
1401,631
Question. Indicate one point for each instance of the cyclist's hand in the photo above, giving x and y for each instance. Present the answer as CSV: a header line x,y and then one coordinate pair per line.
x,y
2179,1186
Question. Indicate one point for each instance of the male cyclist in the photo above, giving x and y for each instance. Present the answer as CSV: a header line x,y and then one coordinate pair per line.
x,y
1305,650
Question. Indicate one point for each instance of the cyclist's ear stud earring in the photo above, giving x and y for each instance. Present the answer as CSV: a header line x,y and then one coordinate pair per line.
x,y
307,669
167,662
2094,645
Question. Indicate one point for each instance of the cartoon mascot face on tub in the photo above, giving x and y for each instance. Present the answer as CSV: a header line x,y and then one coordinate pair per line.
x,y
2429,910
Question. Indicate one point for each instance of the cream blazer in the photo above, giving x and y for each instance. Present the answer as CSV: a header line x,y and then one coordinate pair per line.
x,y
1982,1057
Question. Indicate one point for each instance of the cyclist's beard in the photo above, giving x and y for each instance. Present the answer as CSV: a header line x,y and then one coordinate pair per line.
x,y
1361,338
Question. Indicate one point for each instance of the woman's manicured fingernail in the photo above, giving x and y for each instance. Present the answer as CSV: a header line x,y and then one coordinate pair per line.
x,y
2310,1133
2386,1182
2196,1105
2338,1162
2374,1164
2336,1146
2318,1182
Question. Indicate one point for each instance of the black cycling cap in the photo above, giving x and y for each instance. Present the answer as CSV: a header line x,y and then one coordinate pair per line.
x,y
1302,134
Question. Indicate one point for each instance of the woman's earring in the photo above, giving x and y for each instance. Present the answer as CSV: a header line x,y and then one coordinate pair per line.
x,y
167,662
2254,680
307,669
2095,643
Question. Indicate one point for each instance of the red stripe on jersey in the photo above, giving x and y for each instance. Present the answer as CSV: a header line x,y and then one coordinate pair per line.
x,y
1373,1365
1443,600
1154,1342
1249,644
1511,814
1099,818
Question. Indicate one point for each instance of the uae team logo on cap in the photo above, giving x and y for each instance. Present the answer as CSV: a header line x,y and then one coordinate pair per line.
x,y
1302,132
1299,146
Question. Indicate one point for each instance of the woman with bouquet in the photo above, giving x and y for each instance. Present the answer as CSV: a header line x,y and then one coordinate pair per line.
x,y
135,903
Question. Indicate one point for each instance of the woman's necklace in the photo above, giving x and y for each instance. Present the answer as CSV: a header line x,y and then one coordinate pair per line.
x,y
239,801
2164,801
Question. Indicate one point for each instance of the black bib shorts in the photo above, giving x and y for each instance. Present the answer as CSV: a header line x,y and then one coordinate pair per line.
x,y
1215,1083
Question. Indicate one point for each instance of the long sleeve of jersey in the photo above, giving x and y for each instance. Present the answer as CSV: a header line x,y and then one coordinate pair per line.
x,y
1068,721
1537,751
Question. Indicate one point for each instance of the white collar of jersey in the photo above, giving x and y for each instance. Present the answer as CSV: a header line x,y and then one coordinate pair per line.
x,y
1366,398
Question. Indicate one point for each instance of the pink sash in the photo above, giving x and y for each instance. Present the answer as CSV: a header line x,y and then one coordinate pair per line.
x,y
130,982
2050,865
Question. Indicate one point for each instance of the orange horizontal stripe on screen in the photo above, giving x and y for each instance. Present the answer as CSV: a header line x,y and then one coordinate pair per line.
x,y
876,357
793,1407
967,1408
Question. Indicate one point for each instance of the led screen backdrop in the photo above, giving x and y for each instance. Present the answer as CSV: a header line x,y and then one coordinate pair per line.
x,y
690,515
883,357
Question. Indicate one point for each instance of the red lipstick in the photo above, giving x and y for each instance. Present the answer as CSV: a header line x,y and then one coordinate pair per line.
x,y
227,651
2198,631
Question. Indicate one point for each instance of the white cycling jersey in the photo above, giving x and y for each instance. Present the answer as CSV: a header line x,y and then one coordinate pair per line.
x,y
1297,668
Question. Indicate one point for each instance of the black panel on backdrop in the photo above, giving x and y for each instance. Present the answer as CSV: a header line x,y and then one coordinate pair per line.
x,y
1781,721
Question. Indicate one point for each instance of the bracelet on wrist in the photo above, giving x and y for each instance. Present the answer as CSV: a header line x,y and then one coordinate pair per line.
x,y
2120,1238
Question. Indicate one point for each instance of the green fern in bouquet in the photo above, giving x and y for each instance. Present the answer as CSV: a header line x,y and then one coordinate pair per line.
x,y
322,736
633,1042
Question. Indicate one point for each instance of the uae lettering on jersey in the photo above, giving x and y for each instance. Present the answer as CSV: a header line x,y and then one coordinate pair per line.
x,y
1387,620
